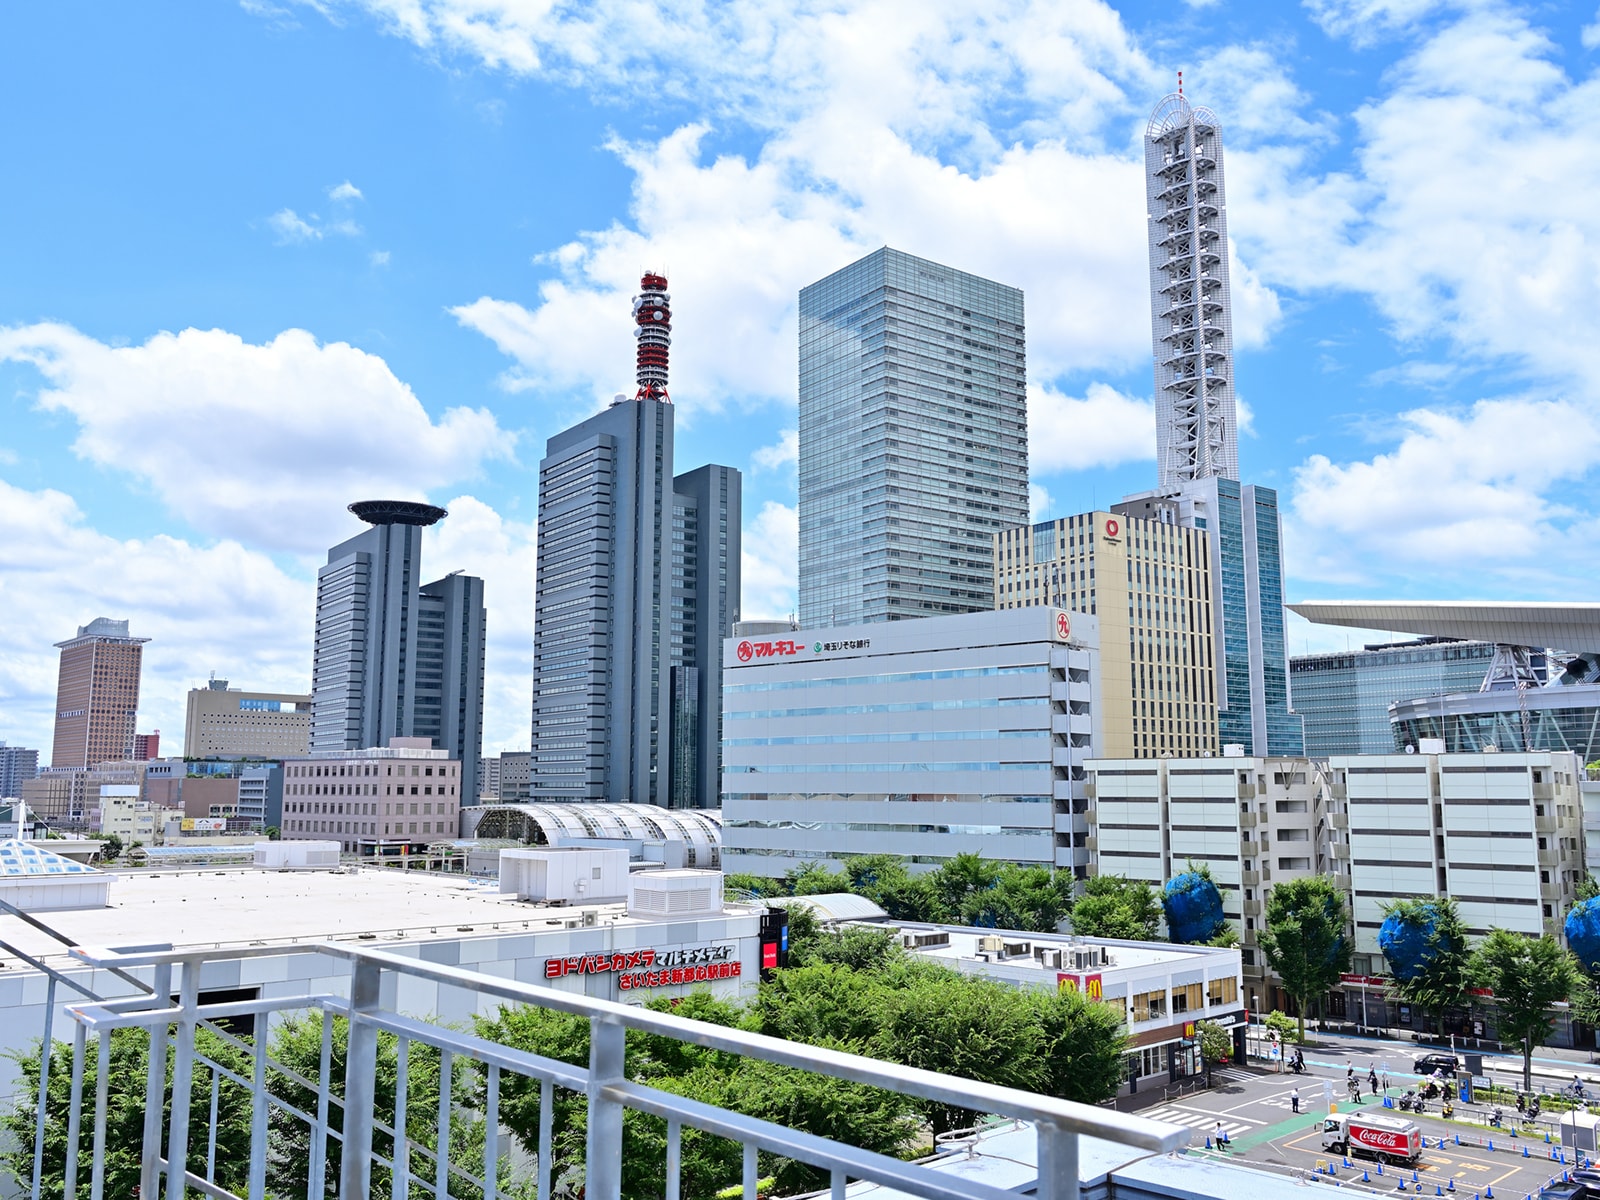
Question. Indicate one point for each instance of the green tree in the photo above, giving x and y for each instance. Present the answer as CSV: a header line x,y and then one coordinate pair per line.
x,y
1032,899
756,885
1439,982
1586,888
1305,938
961,1025
112,849
961,877
1113,906
883,879
813,879
1528,977
1084,1045
1216,1043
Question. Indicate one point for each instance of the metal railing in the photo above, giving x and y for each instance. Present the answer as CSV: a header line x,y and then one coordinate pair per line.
x,y
343,1116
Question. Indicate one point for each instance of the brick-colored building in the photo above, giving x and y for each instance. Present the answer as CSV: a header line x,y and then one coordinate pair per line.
x,y
97,695
376,800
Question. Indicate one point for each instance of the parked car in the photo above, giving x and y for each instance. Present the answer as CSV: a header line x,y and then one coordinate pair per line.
x,y
1427,1064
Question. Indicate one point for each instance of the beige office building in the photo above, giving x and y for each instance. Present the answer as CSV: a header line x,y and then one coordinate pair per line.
x,y
228,722
97,695
375,801
1149,585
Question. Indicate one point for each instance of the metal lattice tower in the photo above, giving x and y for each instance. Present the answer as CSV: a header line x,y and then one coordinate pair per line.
x,y
1197,433
652,315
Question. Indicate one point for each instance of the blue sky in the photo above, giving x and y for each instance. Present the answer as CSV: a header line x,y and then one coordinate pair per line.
x,y
259,260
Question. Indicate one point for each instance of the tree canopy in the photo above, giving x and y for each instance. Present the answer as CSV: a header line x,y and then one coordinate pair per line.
x,y
1305,938
1425,944
1113,906
1528,976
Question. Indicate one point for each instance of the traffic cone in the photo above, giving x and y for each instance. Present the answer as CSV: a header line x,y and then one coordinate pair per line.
x,y
1366,1178
1437,1190
1488,1192
1524,1152
1208,1141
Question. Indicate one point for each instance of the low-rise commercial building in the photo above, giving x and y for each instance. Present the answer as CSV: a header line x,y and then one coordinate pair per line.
x,y
124,814
382,800
1253,822
924,738
1500,833
1159,989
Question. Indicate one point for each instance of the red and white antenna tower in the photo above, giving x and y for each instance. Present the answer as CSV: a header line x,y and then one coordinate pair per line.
x,y
652,313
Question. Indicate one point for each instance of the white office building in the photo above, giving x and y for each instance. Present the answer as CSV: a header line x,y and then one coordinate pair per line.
x,y
924,738
1253,822
1502,833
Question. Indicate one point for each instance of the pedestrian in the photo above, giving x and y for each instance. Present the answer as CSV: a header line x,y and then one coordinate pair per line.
x,y
1221,1137
1294,1099
1372,1078
1385,1078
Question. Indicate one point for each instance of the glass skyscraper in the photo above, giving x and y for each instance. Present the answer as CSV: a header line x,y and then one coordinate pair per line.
x,y
913,439
1344,698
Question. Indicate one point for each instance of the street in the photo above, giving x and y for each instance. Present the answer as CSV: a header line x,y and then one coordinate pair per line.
x,y
1254,1109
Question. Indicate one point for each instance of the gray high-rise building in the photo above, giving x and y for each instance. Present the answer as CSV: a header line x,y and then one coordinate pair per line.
x,y
1191,313
913,446
18,764
394,657
637,583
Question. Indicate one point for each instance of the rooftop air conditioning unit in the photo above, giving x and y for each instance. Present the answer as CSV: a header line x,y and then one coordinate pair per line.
x,y
1016,950
1048,957
991,943
924,939
674,893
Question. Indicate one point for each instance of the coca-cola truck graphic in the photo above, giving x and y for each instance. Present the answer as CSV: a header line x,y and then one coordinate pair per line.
x,y
1387,1139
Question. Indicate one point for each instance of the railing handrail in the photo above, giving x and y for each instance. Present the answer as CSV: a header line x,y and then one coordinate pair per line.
x,y
1067,1116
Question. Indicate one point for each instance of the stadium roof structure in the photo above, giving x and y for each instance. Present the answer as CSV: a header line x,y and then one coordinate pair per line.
x,y
1564,626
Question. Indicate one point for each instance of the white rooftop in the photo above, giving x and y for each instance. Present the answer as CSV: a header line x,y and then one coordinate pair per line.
x,y
1567,626
233,906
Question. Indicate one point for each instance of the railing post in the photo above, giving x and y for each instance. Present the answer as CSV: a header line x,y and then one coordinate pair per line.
x,y
360,1075
44,1084
602,1170
1058,1163
155,1085
182,1079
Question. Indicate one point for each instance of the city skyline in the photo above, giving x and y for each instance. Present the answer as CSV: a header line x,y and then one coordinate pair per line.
x,y
187,479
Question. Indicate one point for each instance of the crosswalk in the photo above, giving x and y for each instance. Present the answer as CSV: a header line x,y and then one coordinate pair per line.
x,y
1200,1122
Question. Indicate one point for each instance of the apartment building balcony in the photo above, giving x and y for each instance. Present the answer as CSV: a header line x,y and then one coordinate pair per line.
x,y
1546,823
1341,851
1251,908
348,1151
1250,878
1339,820
1248,820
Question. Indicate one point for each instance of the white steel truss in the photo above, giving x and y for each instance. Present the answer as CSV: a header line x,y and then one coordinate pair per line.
x,y
1190,310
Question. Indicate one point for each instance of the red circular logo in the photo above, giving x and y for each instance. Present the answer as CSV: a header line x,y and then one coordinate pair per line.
x,y
1063,626
745,651
1112,528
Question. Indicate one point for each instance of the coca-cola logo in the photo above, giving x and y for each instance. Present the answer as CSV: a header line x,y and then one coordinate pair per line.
x,y
1378,1137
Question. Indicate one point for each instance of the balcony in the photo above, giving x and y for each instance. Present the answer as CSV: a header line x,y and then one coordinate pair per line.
x,y
1250,878
1252,908
1248,820
381,1139
1339,820
1341,850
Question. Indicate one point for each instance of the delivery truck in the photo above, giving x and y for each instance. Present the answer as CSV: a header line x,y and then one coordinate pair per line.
x,y
1371,1135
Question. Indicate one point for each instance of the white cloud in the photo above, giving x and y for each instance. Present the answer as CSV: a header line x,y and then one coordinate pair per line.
x,y
1103,428
346,191
379,258
1040,502
305,428
769,563
477,540
1464,496
1365,22
221,607
783,453
290,227
1591,34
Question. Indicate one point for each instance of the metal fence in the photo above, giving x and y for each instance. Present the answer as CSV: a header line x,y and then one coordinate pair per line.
x,y
343,1119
